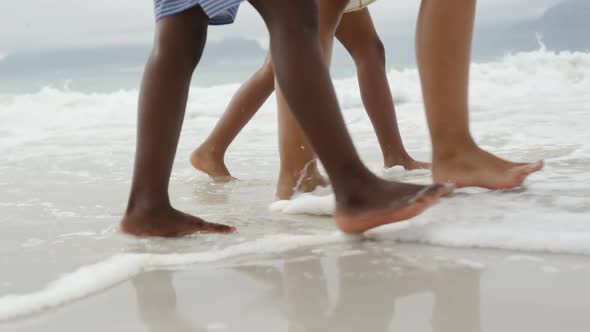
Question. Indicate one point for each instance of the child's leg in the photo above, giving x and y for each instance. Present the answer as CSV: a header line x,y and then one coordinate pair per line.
x,y
298,165
363,201
299,171
209,157
357,33
443,46
164,91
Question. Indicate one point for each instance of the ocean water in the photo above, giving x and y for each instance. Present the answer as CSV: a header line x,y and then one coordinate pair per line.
x,y
67,158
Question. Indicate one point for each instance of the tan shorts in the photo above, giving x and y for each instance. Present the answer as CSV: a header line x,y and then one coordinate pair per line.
x,y
355,5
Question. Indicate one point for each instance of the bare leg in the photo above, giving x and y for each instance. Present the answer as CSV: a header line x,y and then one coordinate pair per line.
x,y
299,171
298,165
443,46
178,47
363,201
209,157
357,33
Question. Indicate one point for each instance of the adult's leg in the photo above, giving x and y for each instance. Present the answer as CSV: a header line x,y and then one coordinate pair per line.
x,y
209,156
363,201
444,35
299,170
178,47
357,34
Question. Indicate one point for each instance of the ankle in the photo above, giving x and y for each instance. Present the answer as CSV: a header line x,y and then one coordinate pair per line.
x,y
147,205
307,170
210,151
398,158
288,177
451,149
348,192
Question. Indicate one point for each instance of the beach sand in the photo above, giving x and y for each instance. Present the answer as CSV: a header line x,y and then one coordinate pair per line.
x,y
367,286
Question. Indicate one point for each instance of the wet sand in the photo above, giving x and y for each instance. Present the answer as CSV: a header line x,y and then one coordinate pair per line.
x,y
366,286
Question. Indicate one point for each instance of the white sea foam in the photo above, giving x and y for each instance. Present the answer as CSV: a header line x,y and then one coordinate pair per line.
x,y
319,203
522,78
94,278
496,221
527,106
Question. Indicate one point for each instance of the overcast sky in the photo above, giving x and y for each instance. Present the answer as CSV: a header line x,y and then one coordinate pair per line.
x,y
49,24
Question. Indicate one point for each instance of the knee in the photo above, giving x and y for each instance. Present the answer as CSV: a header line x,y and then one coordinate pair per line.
x,y
288,17
371,52
377,50
265,75
267,70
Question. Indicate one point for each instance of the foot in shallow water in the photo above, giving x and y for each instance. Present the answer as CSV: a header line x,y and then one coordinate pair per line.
x,y
479,168
210,163
299,181
380,202
168,222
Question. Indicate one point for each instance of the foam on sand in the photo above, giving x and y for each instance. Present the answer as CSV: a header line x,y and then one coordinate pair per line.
x,y
318,203
481,219
91,279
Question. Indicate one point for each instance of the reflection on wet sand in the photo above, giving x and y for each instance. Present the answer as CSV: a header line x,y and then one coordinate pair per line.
x,y
337,292
366,300
157,305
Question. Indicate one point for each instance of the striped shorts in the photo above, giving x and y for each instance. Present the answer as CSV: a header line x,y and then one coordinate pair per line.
x,y
219,11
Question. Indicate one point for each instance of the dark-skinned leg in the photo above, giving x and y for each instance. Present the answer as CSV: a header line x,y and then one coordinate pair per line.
x,y
363,201
357,34
209,156
178,46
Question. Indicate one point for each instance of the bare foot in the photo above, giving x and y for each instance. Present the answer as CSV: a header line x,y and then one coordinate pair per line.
x,y
407,163
168,222
294,182
479,168
210,163
384,202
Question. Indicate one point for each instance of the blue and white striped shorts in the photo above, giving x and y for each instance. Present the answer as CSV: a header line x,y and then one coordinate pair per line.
x,y
219,11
